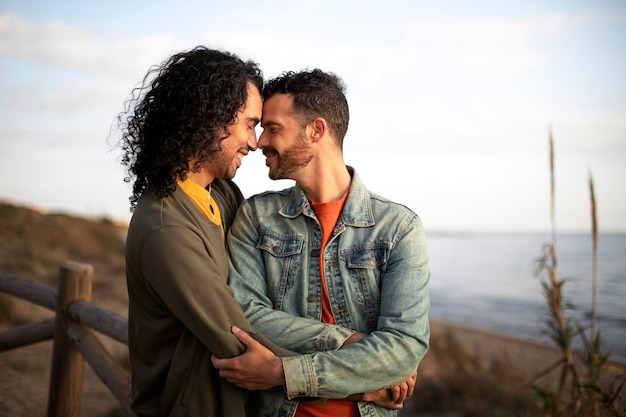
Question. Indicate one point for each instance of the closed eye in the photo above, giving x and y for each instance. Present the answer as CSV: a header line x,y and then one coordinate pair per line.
x,y
271,127
252,124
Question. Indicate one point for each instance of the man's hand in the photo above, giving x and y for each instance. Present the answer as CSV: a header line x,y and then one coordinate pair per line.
x,y
394,397
256,369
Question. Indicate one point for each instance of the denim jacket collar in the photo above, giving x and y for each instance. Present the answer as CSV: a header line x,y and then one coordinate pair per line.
x,y
357,211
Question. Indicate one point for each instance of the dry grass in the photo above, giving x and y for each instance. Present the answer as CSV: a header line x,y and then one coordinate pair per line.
x,y
470,373
33,245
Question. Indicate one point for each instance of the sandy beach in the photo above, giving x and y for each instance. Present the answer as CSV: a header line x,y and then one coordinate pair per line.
x,y
514,362
519,356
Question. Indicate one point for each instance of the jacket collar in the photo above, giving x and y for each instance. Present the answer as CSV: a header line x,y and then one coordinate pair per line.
x,y
356,212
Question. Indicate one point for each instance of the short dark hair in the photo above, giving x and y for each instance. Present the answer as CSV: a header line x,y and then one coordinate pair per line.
x,y
315,94
179,113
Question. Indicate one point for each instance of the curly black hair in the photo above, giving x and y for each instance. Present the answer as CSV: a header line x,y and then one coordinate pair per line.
x,y
315,94
179,113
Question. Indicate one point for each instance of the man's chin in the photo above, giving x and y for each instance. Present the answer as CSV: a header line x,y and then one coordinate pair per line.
x,y
229,175
279,177
275,175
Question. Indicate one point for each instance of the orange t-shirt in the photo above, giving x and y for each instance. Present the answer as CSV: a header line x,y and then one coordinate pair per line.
x,y
328,214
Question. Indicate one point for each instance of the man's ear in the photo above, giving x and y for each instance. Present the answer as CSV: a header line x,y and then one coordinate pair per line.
x,y
318,128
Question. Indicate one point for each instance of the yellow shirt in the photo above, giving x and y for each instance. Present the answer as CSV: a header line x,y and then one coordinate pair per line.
x,y
201,198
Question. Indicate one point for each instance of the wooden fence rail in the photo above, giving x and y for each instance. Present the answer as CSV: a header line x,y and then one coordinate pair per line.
x,y
74,341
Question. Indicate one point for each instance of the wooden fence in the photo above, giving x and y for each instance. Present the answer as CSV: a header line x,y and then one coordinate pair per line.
x,y
74,340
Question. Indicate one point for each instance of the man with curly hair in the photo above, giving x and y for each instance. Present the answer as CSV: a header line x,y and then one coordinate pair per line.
x,y
326,268
185,131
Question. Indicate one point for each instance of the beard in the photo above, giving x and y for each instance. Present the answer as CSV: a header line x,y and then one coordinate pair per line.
x,y
224,165
291,160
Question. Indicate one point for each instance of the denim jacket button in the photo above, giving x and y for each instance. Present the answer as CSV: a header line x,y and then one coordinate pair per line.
x,y
311,298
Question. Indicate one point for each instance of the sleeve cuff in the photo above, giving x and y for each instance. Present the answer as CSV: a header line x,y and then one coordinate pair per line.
x,y
299,376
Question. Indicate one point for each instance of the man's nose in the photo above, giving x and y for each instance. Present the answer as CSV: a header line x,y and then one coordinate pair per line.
x,y
263,141
252,142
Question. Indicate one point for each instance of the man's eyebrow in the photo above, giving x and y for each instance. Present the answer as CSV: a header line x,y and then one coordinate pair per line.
x,y
268,123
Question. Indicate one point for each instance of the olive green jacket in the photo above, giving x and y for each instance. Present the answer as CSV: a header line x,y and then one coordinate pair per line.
x,y
181,308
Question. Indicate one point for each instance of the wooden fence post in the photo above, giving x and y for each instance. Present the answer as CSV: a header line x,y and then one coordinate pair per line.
x,y
67,372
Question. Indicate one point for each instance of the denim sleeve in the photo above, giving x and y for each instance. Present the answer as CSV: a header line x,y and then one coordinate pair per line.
x,y
247,279
391,353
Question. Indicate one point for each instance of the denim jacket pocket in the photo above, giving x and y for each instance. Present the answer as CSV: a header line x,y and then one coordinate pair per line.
x,y
282,263
368,257
365,267
278,245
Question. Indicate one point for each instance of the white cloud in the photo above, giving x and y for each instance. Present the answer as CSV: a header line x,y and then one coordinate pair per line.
x,y
493,45
66,95
79,48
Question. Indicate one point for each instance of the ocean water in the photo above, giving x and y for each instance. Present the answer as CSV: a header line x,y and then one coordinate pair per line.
x,y
487,281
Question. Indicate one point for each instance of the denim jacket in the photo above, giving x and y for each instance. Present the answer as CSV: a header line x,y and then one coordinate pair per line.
x,y
376,270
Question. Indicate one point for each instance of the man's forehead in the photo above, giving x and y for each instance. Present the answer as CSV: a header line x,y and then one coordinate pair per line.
x,y
277,105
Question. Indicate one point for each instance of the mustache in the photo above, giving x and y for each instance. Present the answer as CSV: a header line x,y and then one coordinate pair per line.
x,y
269,151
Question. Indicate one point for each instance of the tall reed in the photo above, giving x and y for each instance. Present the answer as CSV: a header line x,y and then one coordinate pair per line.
x,y
560,328
588,385
594,259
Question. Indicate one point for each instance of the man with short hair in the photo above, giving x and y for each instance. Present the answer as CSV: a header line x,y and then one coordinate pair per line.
x,y
325,268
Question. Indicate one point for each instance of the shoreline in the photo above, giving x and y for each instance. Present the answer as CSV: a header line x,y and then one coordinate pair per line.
x,y
520,355
470,355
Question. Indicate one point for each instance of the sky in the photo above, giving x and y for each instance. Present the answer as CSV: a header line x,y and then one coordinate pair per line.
x,y
451,102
